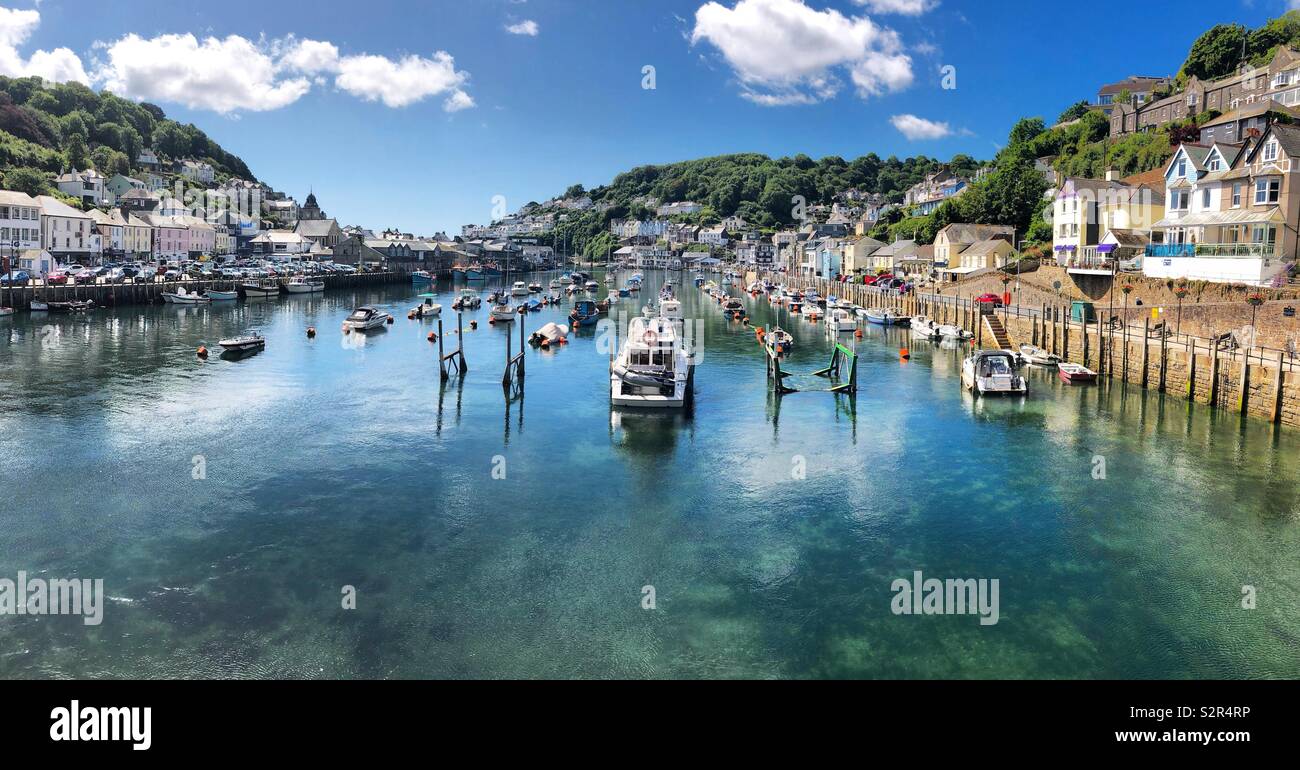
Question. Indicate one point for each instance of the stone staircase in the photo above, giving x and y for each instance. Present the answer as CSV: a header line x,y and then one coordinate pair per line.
x,y
993,325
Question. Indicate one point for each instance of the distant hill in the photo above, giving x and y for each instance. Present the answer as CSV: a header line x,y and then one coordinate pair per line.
x,y
46,129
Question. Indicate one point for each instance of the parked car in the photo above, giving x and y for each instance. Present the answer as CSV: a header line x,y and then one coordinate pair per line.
x,y
17,278
989,299
57,278
85,275
173,274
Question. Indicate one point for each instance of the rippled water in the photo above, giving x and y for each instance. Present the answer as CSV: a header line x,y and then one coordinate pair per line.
x,y
341,461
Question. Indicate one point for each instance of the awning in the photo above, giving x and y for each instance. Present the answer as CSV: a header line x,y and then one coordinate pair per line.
x,y
1223,218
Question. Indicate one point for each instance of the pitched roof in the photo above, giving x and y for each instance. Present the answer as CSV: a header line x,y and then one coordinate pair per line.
x,y
967,233
986,246
1129,238
53,207
316,228
15,198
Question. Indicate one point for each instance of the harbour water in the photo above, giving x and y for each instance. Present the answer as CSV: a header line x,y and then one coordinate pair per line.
x,y
486,539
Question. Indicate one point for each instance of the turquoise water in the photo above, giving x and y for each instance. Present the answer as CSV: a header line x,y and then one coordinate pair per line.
x,y
341,461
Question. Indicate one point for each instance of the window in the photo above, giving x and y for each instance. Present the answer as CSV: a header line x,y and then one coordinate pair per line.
x,y
1270,150
1236,195
1267,191
1214,164
1182,168
1205,199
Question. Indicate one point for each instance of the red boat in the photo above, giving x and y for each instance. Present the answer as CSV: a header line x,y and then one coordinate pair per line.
x,y
1074,373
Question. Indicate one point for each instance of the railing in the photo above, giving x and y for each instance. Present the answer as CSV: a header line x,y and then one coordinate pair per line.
x,y
1243,250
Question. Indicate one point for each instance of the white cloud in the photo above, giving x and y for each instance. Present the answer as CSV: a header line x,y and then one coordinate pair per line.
x,y
233,74
784,52
59,65
917,129
220,74
901,7
528,28
405,82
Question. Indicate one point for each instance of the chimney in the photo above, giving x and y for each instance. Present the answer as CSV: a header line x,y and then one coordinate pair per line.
x,y
1112,175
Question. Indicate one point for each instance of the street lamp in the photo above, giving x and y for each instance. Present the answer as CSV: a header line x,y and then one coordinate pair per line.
x,y
1254,300
1180,291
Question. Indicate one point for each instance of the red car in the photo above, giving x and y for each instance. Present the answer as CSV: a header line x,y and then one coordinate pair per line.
x,y
992,299
54,279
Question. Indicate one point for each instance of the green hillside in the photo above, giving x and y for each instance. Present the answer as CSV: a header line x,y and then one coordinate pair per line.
x,y
46,129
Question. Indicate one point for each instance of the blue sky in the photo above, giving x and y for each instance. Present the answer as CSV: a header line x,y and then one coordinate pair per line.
x,y
325,95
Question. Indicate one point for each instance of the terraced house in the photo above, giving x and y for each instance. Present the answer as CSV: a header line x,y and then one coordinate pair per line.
x,y
1232,212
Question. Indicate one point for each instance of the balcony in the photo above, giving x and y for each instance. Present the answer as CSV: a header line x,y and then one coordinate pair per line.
x,y
1232,250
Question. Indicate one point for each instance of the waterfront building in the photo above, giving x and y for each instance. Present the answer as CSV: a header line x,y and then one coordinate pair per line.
x,y
857,253
66,233
951,241
20,222
281,244
120,185
197,171
111,227
171,237
1231,215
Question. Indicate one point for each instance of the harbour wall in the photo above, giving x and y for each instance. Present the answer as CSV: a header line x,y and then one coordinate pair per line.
x,y
1255,382
150,292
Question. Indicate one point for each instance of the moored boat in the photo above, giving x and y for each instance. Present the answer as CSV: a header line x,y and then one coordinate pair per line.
x,y
420,276
264,288
550,334
840,320
244,344
778,341
925,326
520,289
1038,357
655,367
1072,374
222,296
366,318
428,308
183,297
468,300
990,372
303,285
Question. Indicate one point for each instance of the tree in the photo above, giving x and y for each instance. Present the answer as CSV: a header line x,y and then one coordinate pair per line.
x,y
28,180
1026,130
575,191
1216,53
110,162
1074,112
78,155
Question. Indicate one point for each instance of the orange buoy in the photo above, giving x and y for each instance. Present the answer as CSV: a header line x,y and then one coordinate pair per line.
x,y
410,316
347,330
311,332
491,322
905,354
546,344
390,320
433,336
858,334
203,352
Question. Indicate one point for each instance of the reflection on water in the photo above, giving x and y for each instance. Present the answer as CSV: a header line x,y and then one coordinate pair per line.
x,y
345,460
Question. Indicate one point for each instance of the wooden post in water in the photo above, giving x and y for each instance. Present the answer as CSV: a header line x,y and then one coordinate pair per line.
x,y
1191,369
1146,348
1278,380
1164,357
1243,398
1214,375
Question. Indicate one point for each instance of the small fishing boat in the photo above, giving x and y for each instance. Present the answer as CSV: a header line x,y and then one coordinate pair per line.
x,y
428,308
366,318
300,284
183,297
423,276
989,372
926,327
458,273
840,320
38,306
585,313
520,289
1072,374
953,332
245,344
468,300
533,305
73,306
549,334
535,288
778,341
502,312
592,286
5,312
1038,357
222,296
556,283
733,308
264,288
812,312
881,316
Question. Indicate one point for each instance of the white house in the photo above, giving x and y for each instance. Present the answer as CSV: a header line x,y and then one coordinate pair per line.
x,y
197,171
20,222
66,233
87,185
